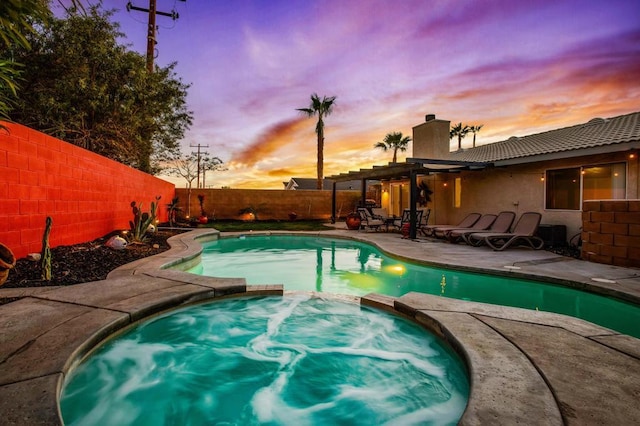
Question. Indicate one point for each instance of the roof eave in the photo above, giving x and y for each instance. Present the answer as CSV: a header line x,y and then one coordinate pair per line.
x,y
604,149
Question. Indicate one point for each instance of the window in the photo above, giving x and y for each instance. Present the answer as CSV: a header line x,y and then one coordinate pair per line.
x,y
606,182
567,188
563,189
457,198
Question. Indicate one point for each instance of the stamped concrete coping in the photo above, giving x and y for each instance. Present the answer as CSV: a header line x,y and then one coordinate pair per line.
x,y
525,367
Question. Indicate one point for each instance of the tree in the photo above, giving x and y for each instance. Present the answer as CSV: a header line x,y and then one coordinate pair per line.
x,y
394,141
16,21
460,131
185,167
81,86
209,164
474,130
322,108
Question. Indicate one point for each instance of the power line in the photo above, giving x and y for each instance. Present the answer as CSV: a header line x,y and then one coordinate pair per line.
x,y
199,146
151,27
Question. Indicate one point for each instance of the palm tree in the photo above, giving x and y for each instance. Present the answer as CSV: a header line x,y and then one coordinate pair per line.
x,y
460,131
322,108
394,141
474,130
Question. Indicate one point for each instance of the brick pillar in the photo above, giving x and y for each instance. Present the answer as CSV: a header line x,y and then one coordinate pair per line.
x,y
611,232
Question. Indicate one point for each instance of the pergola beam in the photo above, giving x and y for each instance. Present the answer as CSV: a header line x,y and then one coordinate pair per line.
x,y
407,170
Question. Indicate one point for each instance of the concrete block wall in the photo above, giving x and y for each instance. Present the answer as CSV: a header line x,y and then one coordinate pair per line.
x,y
86,195
271,204
611,232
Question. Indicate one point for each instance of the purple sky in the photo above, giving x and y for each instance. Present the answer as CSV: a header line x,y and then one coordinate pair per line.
x,y
517,67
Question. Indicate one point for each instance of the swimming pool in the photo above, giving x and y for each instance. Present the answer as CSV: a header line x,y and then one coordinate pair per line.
x,y
276,360
311,263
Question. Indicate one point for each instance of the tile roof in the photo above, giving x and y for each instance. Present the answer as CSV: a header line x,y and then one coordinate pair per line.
x,y
311,184
597,132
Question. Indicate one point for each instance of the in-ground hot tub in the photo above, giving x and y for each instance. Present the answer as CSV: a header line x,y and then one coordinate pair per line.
x,y
274,360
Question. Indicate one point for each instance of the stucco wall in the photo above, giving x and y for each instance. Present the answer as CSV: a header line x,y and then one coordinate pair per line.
x,y
86,195
611,232
517,188
269,203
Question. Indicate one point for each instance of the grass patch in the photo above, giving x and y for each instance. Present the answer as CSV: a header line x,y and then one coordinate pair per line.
x,y
268,225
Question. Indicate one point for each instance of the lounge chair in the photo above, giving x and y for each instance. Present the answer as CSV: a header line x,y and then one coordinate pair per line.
x,y
379,213
467,222
453,235
502,224
367,221
523,233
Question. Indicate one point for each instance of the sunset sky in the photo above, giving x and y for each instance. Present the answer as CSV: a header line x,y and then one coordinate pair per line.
x,y
517,67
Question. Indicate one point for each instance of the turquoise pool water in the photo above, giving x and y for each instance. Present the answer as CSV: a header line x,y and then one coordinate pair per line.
x,y
350,267
270,361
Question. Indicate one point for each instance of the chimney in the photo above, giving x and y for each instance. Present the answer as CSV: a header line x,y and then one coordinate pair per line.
x,y
431,138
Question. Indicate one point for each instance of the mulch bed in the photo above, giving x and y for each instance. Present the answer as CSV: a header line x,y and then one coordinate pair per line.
x,y
81,263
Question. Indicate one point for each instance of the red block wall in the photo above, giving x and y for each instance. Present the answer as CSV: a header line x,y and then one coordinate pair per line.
x,y
86,195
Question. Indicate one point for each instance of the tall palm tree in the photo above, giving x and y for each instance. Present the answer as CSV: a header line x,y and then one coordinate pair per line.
x,y
394,141
460,131
322,108
474,130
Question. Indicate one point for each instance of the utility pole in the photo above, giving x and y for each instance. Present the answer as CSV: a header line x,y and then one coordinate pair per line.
x,y
151,31
199,146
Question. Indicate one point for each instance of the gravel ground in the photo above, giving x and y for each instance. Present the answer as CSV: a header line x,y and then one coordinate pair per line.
x,y
85,262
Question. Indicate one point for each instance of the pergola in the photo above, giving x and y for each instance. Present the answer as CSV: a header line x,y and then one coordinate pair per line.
x,y
410,170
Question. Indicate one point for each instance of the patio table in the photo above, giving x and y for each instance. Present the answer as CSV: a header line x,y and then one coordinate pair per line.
x,y
389,221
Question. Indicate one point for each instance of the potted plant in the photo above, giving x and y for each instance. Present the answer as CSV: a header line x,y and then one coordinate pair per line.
x,y
7,262
203,219
353,220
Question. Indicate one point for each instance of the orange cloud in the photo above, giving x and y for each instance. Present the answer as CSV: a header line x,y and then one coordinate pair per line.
x,y
274,138
278,173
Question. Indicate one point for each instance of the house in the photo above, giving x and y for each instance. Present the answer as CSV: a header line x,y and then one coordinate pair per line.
x,y
551,172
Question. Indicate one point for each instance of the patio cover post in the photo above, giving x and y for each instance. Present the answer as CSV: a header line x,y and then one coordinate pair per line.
x,y
363,193
413,200
333,202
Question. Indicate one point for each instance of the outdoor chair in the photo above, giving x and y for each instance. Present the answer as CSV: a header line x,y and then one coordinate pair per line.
x,y
501,225
453,235
467,222
406,218
367,221
523,233
424,222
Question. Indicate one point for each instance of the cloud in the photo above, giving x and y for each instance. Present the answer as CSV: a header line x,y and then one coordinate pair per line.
x,y
269,142
281,173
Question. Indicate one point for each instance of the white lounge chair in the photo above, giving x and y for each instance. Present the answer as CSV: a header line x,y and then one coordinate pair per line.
x,y
367,221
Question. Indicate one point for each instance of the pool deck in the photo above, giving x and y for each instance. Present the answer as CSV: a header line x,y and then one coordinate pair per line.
x,y
526,367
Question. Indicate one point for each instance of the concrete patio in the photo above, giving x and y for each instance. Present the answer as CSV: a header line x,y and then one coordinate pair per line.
x,y
526,367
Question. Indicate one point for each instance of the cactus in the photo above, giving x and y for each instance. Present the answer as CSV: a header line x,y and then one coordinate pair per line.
x,y
141,221
45,259
172,210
